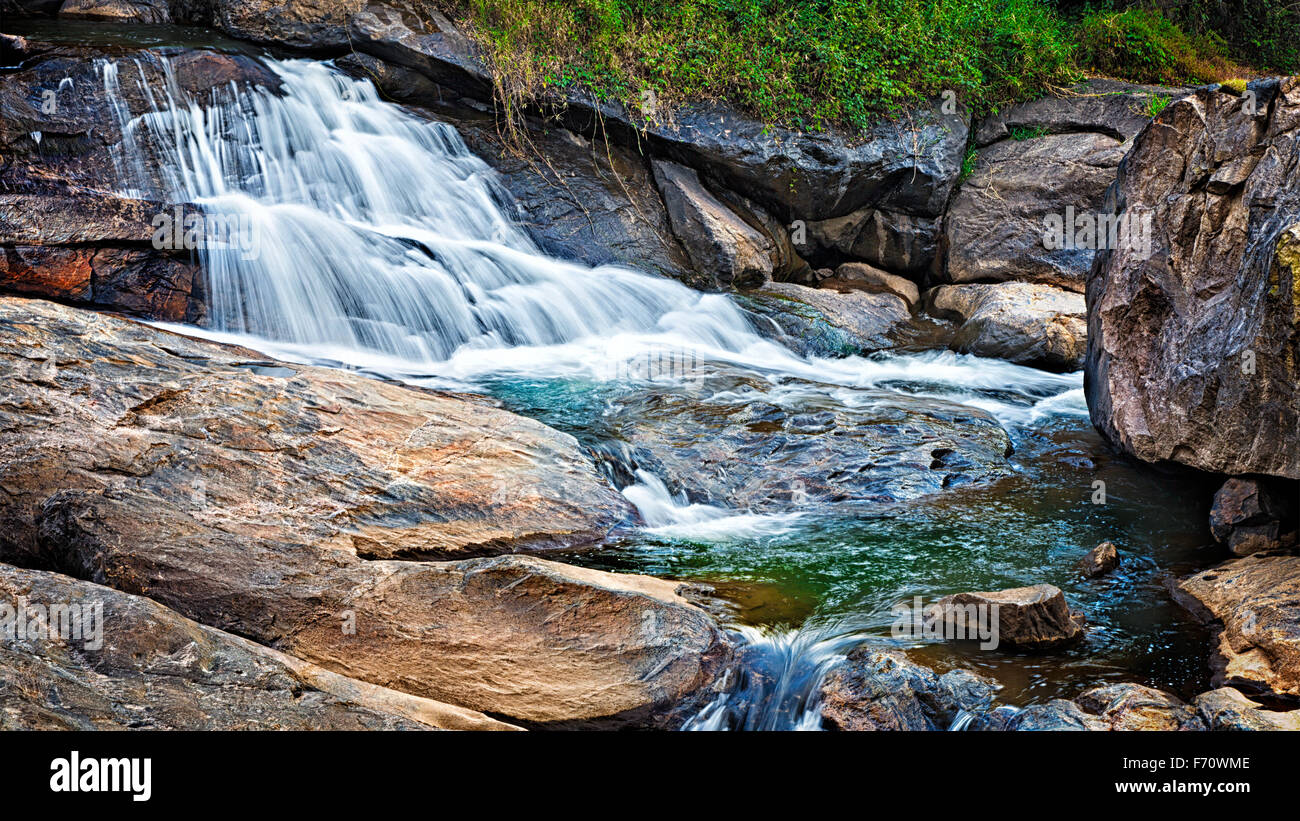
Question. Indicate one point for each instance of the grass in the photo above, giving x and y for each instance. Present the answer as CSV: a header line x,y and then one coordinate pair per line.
x,y
810,64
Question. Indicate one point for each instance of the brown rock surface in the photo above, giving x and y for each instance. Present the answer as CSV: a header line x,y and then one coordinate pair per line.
x,y
1135,707
1194,350
169,467
1029,324
1033,618
1100,560
1257,602
125,662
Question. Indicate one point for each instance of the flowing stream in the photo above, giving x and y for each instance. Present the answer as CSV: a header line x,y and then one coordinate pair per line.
x,y
363,236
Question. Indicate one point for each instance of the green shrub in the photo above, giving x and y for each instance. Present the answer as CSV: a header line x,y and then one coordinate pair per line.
x,y
1142,45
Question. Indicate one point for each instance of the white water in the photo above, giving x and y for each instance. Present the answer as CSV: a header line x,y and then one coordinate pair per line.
x,y
375,239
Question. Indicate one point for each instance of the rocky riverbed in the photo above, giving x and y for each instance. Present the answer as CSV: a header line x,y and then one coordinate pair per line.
x,y
646,425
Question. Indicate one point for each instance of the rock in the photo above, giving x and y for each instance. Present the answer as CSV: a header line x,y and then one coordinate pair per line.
x,y
897,241
874,278
726,440
1193,350
1135,707
876,689
1246,516
270,504
1257,602
829,321
426,43
1032,618
1054,716
724,248
1035,325
1100,560
120,11
995,227
125,662
1095,106
61,234
305,453
1229,709
308,24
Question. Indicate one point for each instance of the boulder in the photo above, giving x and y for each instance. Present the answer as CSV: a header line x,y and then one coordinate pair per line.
x,y
1136,707
1228,709
996,228
92,658
875,689
1029,324
726,440
1035,160
871,278
1256,603
1100,560
270,501
124,11
1247,516
1193,349
1031,618
725,250
830,321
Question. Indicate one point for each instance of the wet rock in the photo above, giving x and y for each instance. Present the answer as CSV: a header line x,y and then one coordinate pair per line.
x,y
874,278
61,234
1035,325
122,11
830,321
877,689
723,247
1032,618
1246,516
1100,560
125,662
1096,106
1056,715
1256,600
270,505
1193,350
309,24
728,441
1228,709
1135,707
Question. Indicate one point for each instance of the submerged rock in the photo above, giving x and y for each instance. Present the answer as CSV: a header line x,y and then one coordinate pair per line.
x,y
734,442
1194,347
1256,600
1100,560
125,662
1032,618
876,689
1035,325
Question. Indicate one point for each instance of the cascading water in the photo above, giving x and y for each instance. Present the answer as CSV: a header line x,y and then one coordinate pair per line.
x,y
373,238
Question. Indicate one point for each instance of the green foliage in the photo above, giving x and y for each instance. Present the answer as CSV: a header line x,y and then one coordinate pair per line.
x,y
807,63
1155,104
1143,45
1024,132
968,164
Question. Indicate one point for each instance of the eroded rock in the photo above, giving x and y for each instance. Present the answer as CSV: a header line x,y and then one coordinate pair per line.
x,y
876,689
1136,707
1100,560
831,321
1033,618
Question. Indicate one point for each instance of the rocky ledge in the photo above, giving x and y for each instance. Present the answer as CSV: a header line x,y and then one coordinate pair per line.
x,y
127,455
